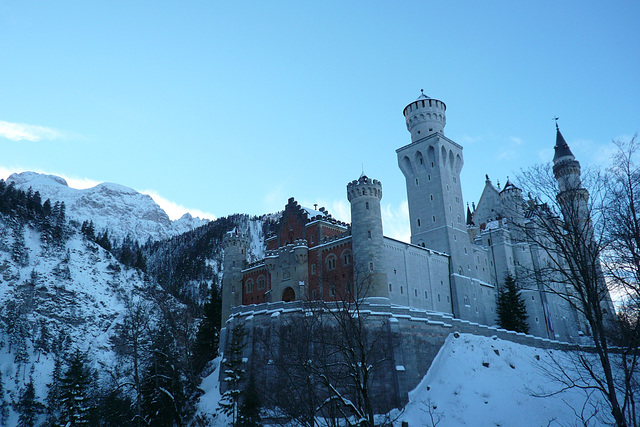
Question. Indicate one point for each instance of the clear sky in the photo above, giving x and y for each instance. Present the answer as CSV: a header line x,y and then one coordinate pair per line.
x,y
230,106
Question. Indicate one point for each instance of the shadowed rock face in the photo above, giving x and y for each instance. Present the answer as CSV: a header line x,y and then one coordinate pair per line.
x,y
123,210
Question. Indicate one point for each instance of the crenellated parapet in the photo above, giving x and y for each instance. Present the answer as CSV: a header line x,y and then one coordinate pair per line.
x,y
425,116
364,187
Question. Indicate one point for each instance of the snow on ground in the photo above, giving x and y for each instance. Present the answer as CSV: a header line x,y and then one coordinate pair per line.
x,y
207,407
481,381
473,381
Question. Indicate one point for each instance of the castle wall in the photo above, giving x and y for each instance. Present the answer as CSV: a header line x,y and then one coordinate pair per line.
x,y
411,337
417,277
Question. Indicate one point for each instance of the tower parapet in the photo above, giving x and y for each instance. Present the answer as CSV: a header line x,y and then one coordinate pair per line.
x,y
364,195
425,116
235,247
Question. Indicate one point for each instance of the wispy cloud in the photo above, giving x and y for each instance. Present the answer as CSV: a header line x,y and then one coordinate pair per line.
x,y
176,210
26,132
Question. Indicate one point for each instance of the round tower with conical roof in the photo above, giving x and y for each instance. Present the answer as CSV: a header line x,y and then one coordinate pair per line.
x,y
367,240
425,116
235,247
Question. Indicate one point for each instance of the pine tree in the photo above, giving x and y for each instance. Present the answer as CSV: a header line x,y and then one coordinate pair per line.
x,y
4,406
162,386
54,407
234,373
511,309
249,412
75,392
28,406
208,336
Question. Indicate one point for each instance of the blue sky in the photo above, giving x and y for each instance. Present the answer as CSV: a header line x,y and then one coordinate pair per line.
x,y
224,107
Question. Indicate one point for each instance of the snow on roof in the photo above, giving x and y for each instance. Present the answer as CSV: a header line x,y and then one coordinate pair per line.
x,y
312,213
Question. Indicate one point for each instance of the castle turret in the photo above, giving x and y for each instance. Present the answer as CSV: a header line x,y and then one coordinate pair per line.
x,y
425,116
513,202
235,247
367,239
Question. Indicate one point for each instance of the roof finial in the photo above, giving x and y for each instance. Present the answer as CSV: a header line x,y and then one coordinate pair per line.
x,y
556,119
422,91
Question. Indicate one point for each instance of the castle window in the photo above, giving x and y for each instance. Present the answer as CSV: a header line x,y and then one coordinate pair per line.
x,y
432,164
421,160
346,258
366,205
390,287
533,298
313,269
369,233
455,179
431,197
465,251
249,286
457,199
422,244
429,177
438,297
364,192
401,290
415,293
434,218
418,222
430,129
333,291
416,181
466,301
425,295
233,264
261,283
370,266
331,262
447,187
311,239
449,301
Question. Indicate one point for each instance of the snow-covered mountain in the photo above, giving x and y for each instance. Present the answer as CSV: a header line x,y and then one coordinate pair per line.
x,y
68,295
121,210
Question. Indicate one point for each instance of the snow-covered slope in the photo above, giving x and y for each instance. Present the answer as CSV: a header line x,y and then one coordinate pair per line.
x,y
77,291
122,210
485,381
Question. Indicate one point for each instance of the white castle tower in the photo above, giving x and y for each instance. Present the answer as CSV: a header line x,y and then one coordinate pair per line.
x,y
235,247
431,165
367,239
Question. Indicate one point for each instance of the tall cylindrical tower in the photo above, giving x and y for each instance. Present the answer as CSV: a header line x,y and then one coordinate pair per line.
x,y
367,239
425,116
235,247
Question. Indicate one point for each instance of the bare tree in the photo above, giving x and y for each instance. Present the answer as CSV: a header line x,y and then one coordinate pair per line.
x,y
327,357
622,263
572,226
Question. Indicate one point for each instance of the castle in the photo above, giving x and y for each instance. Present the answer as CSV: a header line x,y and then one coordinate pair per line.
x,y
455,263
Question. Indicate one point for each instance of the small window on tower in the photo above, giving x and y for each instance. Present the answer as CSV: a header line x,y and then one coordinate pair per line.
x,y
370,266
390,287
418,222
366,205
429,177
415,293
416,181
369,233
434,218
431,197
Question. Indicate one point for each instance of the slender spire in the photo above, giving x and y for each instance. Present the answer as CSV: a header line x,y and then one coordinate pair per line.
x,y
562,148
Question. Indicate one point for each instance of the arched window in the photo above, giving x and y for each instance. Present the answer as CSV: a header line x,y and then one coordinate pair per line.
x,y
248,286
331,262
261,282
366,205
466,301
346,257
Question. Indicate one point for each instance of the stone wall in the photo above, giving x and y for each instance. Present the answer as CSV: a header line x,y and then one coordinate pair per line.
x,y
414,338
